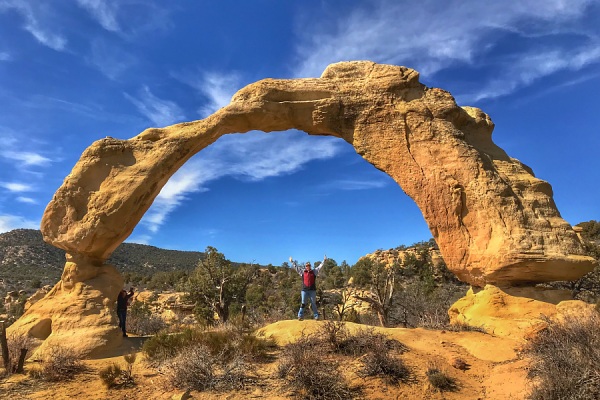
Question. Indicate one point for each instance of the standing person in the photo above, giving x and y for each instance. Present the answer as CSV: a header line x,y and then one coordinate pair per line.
x,y
309,287
122,303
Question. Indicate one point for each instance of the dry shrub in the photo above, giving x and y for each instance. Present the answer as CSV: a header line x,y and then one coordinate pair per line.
x,y
167,345
307,371
59,364
198,369
15,344
337,336
110,374
464,327
225,343
380,362
565,359
440,380
114,376
141,321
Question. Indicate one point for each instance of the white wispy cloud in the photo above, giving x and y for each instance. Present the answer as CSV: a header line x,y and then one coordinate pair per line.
x,y
355,184
139,239
10,222
36,15
527,70
103,11
26,158
432,35
27,200
17,187
253,156
109,58
4,56
216,87
160,112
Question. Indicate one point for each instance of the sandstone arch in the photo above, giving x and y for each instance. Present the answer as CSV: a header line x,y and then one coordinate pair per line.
x,y
492,219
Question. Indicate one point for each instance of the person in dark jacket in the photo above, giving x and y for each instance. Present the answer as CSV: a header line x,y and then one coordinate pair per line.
x,y
309,286
122,303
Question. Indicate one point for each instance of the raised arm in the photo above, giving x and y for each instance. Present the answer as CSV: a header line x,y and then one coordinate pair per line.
x,y
295,266
320,265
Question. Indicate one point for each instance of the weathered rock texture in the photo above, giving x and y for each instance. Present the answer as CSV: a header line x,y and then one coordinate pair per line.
x,y
516,312
492,219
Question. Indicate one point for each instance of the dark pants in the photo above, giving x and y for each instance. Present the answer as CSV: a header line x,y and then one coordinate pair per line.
x,y
122,314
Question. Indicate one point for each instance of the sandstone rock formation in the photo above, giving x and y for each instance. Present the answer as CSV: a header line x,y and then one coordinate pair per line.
x,y
493,220
516,312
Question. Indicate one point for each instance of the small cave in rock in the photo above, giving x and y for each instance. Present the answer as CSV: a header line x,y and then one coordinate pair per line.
x,y
42,329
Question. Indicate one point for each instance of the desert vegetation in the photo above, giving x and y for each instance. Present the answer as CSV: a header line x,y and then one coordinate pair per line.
x,y
220,351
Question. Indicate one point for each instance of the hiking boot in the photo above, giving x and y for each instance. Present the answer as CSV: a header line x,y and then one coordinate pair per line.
x,y
300,319
316,317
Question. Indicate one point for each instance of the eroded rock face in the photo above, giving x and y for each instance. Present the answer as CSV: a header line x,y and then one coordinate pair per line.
x,y
493,220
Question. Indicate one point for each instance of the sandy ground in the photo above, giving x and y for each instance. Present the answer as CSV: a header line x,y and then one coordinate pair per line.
x,y
494,370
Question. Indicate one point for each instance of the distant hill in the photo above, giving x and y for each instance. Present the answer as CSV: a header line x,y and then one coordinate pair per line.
x,y
24,254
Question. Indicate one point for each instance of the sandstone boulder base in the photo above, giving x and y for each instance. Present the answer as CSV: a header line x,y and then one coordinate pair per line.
x,y
516,312
493,220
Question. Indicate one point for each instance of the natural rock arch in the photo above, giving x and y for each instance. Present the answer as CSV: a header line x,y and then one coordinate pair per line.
x,y
492,219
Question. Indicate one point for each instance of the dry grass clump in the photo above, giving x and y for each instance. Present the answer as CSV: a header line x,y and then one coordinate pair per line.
x,y
220,359
440,380
114,376
18,347
59,364
380,355
198,369
141,321
565,359
110,374
223,342
310,373
340,340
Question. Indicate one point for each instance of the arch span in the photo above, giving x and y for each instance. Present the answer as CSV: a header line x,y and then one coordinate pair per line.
x,y
493,220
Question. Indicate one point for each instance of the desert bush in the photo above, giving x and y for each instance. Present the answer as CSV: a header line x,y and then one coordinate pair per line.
x,y
225,343
114,376
59,364
379,360
16,343
110,374
307,371
198,369
141,321
565,359
464,327
339,339
167,345
440,380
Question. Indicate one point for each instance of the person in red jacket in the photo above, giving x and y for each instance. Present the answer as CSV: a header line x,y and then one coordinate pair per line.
x,y
309,287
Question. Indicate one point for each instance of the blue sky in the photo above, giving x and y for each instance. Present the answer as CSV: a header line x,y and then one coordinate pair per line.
x,y
74,71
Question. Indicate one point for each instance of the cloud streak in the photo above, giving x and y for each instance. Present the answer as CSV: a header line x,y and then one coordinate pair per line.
x,y
216,87
253,157
105,12
17,187
160,112
10,222
35,15
26,158
431,36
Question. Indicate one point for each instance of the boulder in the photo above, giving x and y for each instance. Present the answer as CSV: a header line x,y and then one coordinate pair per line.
x,y
517,312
